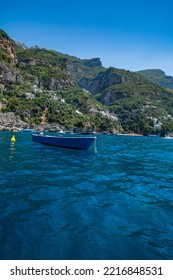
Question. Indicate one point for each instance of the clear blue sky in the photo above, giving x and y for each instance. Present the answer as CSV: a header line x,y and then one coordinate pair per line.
x,y
131,35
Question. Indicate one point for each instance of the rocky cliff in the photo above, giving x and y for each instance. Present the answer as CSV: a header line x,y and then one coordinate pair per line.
x,y
9,120
94,62
7,51
65,90
8,75
102,81
36,83
45,68
109,96
8,60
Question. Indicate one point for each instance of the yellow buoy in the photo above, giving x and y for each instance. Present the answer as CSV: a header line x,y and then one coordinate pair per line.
x,y
13,138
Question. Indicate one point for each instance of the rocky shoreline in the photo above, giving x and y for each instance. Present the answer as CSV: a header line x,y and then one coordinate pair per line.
x,y
10,122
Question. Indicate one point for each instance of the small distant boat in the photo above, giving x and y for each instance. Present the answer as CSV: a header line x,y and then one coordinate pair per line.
x,y
153,135
168,137
26,130
60,131
80,143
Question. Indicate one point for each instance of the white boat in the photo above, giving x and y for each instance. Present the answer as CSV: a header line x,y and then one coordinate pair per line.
x,y
168,137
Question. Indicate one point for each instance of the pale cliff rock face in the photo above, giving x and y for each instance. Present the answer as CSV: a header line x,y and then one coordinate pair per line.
x,y
7,48
53,83
109,96
56,84
10,120
102,81
7,75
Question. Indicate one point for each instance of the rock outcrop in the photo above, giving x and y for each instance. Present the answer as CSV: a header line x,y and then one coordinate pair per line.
x,y
102,81
68,87
8,74
108,97
7,48
56,84
9,120
93,62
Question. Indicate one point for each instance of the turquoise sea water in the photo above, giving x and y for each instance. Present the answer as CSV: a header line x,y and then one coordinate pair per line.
x,y
66,204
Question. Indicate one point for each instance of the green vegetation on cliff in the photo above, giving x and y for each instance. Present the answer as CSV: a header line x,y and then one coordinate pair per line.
x,y
4,35
136,101
45,86
158,76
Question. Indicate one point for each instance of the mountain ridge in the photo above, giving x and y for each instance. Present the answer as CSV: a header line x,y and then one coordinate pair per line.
x,y
77,93
158,76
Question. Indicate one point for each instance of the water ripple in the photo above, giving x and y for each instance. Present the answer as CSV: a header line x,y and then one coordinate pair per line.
x,y
64,204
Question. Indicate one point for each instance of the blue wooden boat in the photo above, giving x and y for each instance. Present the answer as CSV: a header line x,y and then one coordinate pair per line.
x,y
80,143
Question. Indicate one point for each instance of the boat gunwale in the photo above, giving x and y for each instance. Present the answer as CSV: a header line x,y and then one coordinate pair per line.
x,y
63,136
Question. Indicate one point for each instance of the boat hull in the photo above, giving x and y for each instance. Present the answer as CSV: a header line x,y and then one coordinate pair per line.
x,y
80,143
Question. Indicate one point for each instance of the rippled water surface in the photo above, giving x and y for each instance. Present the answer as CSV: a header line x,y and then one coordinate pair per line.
x,y
66,204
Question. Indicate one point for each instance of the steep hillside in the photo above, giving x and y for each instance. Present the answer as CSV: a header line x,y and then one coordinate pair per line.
x,y
134,99
7,51
40,86
55,70
101,81
45,88
158,76
8,59
44,68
